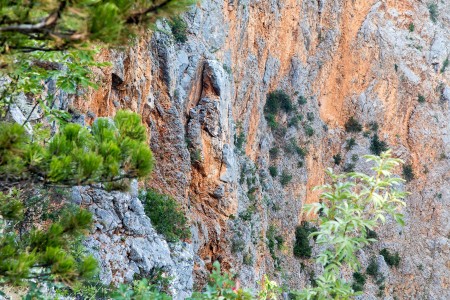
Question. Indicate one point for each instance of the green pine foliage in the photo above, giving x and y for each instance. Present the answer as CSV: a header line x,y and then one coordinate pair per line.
x,y
53,39
166,215
113,150
47,253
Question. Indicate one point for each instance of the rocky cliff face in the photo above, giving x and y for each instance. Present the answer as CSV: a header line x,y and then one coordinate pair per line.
x,y
203,102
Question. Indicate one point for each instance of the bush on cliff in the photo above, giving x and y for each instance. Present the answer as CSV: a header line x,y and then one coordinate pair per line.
x,y
166,215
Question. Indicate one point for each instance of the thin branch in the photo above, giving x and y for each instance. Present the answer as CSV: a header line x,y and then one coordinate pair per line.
x,y
136,18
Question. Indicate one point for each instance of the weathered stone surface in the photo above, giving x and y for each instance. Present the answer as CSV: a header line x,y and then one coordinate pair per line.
x,y
347,58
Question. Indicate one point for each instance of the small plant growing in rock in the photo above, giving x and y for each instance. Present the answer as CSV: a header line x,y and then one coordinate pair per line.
x,y
359,281
247,259
273,170
408,172
372,268
309,131
273,152
276,101
374,126
271,121
351,142
285,178
421,98
433,10
337,158
302,249
179,29
352,125
166,215
393,260
377,146
445,65
302,100
310,116
411,27
349,167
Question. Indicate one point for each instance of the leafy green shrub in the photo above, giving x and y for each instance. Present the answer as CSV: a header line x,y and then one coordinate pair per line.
x,y
372,268
179,29
421,98
285,178
111,151
301,100
196,156
277,100
359,281
310,116
408,172
166,215
295,120
271,121
343,217
292,147
309,131
355,157
239,140
273,170
337,158
352,125
393,260
377,146
302,249
411,27
371,234
351,142
273,153
433,10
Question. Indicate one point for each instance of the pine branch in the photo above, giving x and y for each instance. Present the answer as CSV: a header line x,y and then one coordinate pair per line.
x,y
137,17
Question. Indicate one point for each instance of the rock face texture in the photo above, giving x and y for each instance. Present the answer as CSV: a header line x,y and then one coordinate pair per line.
x,y
125,243
383,62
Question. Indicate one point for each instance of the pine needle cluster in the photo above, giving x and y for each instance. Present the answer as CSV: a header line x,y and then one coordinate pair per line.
x,y
112,150
44,254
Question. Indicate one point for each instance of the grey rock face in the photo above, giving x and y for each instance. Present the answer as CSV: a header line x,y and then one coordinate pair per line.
x,y
125,243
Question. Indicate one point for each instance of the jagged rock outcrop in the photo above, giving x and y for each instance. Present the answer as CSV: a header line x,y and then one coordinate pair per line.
x,y
203,102
125,244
